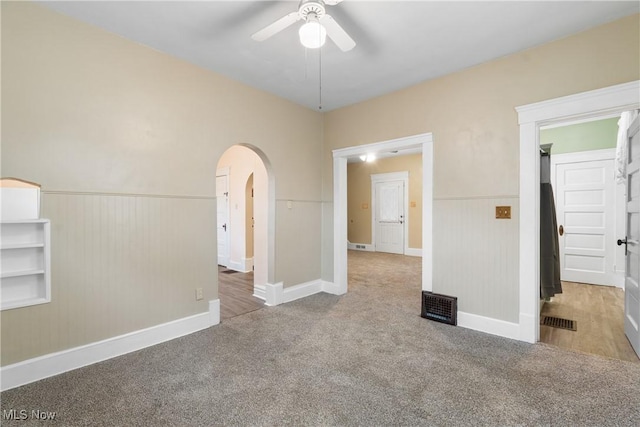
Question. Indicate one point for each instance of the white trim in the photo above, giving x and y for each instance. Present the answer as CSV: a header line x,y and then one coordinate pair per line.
x,y
386,177
273,294
260,291
243,266
489,325
364,247
413,252
329,288
532,117
38,368
583,156
214,312
425,143
302,290
276,294
580,121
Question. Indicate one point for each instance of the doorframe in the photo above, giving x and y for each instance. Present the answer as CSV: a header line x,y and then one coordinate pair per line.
x,y
606,154
224,171
386,177
531,117
423,142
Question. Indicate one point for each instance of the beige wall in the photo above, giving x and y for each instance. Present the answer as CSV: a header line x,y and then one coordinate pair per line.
x,y
476,149
359,194
125,141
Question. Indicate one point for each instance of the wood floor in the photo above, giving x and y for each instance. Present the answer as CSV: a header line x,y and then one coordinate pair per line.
x,y
236,294
599,313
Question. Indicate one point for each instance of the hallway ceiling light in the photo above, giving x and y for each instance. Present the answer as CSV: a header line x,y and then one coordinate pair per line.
x,y
368,158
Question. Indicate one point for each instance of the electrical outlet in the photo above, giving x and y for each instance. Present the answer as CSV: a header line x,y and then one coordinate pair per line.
x,y
503,212
199,294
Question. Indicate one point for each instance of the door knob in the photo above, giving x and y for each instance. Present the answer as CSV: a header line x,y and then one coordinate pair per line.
x,y
561,230
621,242
224,226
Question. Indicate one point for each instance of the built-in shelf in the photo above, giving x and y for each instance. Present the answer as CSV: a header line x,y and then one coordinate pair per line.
x,y
23,303
6,275
22,246
26,265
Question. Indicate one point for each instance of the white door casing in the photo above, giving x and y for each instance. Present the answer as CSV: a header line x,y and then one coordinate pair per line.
x,y
222,203
585,207
531,117
389,222
425,143
632,274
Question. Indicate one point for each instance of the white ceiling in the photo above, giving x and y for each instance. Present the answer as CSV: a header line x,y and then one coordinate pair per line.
x,y
399,43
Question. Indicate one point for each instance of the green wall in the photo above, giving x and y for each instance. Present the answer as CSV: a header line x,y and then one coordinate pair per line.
x,y
588,136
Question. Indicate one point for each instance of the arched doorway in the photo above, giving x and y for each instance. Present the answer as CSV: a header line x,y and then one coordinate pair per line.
x,y
246,226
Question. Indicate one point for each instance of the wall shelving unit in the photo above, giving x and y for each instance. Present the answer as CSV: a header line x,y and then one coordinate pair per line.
x,y
25,249
25,263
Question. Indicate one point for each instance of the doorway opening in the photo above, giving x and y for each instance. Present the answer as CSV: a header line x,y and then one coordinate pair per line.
x,y
586,311
421,144
245,212
583,106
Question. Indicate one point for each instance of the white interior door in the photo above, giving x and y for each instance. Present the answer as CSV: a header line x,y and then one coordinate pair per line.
x,y
389,216
585,208
632,275
222,202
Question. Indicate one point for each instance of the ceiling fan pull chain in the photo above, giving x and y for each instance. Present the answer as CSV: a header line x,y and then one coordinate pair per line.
x,y
306,63
320,78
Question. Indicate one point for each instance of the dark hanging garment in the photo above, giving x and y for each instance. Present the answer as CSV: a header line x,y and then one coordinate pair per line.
x,y
549,246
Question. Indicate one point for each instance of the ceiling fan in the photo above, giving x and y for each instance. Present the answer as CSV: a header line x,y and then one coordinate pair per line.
x,y
318,24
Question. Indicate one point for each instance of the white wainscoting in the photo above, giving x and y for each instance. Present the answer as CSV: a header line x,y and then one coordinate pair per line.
x,y
38,368
476,256
118,266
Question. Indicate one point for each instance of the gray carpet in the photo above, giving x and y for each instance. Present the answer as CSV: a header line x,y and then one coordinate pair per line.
x,y
365,358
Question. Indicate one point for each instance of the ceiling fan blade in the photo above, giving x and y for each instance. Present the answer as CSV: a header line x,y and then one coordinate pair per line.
x,y
337,34
332,2
276,27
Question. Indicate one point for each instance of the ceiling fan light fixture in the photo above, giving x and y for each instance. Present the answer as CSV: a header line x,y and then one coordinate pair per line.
x,y
312,34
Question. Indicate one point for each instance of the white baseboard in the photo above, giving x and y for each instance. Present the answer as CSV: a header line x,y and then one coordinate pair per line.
x,y
273,294
243,266
527,328
332,288
259,291
38,368
277,294
370,248
302,290
361,247
489,325
413,252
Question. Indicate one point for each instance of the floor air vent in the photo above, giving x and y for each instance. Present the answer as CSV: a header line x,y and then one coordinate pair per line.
x,y
558,322
441,308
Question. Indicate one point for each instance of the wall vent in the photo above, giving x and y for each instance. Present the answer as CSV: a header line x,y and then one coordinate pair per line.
x,y
441,308
360,247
